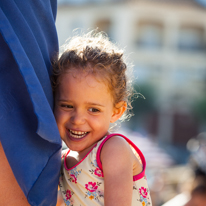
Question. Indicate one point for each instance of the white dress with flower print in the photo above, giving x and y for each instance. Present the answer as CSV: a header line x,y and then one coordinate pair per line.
x,y
83,184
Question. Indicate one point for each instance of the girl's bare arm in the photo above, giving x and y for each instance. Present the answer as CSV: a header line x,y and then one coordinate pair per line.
x,y
117,163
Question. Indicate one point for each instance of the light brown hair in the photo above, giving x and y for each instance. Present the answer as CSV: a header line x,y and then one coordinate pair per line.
x,y
94,53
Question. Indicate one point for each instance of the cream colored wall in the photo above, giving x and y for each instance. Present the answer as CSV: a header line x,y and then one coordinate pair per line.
x,y
124,17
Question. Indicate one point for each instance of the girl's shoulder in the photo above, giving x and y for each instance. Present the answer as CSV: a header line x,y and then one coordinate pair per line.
x,y
115,143
120,143
118,149
116,146
111,143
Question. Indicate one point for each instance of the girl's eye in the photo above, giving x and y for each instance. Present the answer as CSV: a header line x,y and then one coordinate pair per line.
x,y
66,106
94,110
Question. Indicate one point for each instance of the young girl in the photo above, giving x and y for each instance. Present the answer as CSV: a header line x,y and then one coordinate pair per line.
x,y
91,91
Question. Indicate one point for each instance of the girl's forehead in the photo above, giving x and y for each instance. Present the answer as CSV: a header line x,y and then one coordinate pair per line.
x,y
85,74
75,85
79,76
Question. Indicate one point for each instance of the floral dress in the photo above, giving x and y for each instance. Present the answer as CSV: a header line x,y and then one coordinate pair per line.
x,y
83,184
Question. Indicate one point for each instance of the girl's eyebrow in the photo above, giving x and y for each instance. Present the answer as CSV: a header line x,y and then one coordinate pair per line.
x,y
95,104
63,100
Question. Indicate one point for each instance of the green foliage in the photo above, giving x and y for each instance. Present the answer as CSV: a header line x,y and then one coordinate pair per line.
x,y
200,109
142,106
145,102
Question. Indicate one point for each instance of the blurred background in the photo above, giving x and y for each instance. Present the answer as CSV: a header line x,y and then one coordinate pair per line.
x,y
165,41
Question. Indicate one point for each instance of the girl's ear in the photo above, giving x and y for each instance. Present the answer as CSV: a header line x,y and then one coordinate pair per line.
x,y
118,111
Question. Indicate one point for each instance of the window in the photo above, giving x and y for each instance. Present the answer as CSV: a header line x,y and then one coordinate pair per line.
x,y
149,34
191,38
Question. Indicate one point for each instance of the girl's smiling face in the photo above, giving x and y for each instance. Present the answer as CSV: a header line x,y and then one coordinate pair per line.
x,y
83,110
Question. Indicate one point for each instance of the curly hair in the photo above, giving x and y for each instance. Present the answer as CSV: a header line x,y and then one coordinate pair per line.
x,y
94,53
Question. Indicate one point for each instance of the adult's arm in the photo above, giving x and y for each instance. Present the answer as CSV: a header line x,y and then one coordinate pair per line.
x,y
10,192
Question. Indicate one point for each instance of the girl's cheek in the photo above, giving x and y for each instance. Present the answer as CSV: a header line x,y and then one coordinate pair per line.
x,y
57,112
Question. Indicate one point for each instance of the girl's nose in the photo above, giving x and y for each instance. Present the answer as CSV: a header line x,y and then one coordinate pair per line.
x,y
77,118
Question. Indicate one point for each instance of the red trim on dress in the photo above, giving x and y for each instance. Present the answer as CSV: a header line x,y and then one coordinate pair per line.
x,y
65,163
136,177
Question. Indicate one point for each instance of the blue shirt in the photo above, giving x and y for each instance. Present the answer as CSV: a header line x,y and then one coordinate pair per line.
x,y
28,131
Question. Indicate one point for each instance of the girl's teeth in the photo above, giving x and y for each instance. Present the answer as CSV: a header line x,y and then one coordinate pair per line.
x,y
77,134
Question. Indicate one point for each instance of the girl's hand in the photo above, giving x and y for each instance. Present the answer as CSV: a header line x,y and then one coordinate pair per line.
x,y
117,164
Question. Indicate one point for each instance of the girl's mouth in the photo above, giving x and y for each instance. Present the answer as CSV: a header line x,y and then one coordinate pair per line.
x,y
77,134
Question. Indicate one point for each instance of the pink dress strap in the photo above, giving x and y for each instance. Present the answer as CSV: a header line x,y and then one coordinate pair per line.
x,y
136,177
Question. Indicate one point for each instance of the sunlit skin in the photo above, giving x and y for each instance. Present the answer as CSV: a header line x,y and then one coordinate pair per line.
x,y
83,104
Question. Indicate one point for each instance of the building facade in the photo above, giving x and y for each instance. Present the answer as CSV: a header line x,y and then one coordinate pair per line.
x,y
166,42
